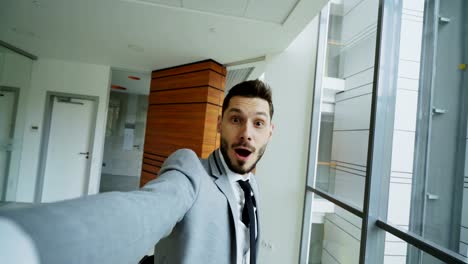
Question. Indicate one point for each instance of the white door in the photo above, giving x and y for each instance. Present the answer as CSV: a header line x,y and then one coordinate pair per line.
x,y
67,161
7,104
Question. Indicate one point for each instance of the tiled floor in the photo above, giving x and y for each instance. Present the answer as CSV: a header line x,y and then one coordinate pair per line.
x,y
6,205
121,183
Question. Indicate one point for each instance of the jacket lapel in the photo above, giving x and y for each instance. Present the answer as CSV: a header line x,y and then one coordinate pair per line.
x,y
257,199
222,181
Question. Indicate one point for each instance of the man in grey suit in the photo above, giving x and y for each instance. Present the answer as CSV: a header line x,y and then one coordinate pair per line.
x,y
196,211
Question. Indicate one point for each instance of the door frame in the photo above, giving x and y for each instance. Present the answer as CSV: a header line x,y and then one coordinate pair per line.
x,y
16,92
46,133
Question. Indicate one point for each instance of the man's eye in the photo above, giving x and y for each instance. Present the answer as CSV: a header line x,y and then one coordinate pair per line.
x,y
259,124
235,120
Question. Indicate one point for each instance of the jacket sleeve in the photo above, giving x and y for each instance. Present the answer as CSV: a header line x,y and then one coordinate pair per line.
x,y
114,227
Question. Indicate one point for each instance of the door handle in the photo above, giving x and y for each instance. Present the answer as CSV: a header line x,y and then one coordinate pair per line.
x,y
438,111
431,196
85,153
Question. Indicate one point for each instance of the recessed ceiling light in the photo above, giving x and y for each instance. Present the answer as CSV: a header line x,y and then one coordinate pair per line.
x,y
134,78
118,87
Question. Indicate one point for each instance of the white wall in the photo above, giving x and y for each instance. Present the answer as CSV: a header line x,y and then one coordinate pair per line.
x,y
282,172
66,77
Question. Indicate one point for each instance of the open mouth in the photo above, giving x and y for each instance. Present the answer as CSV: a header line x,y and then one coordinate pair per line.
x,y
243,153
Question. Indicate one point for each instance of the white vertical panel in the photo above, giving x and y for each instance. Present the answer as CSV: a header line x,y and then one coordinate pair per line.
x,y
398,203
403,151
410,40
408,84
405,110
408,69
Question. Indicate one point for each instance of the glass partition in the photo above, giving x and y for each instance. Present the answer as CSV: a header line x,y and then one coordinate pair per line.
x,y
15,71
346,92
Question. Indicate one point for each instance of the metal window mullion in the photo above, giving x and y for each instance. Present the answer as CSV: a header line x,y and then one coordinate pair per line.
x,y
314,131
381,130
420,165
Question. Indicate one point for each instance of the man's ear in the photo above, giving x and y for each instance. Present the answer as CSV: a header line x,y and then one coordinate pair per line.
x,y
218,126
271,131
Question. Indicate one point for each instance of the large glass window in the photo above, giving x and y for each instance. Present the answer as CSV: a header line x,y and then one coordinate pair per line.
x,y
342,110
388,160
346,84
427,186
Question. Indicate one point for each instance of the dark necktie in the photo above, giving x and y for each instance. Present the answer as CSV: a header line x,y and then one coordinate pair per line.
x,y
248,216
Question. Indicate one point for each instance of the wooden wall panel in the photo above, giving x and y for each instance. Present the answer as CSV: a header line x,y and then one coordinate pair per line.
x,y
190,95
147,176
184,105
203,65
192,79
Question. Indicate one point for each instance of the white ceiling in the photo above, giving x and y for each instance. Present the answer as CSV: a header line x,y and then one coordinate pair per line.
x,y
145,35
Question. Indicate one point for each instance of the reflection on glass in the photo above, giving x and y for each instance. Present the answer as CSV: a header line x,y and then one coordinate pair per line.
x,y
335,236
7,115
428,192
325,170
346,99
14,80
395,251
125,135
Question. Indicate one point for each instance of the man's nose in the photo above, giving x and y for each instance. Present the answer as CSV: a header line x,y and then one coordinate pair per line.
x,y
246,132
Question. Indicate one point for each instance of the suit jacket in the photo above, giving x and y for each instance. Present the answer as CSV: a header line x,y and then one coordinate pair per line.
x,y
189,209
207,232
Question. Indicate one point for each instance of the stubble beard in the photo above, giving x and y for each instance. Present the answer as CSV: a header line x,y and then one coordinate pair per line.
x,y
239,167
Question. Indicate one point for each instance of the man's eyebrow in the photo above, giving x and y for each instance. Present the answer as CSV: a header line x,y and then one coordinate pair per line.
x,y
237,110
262,113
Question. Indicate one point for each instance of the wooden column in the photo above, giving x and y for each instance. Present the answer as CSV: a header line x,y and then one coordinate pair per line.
x,y
184,104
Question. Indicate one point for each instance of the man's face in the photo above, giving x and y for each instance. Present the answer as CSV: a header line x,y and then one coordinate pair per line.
x,y
245,130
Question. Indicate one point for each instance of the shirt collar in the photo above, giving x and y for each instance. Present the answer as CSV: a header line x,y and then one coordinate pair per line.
x,y
232,176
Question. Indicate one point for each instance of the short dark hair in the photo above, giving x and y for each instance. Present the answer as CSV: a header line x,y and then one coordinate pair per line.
x,y
250,89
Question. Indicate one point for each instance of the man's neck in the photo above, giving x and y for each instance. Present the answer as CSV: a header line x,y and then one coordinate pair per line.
x,y
228,170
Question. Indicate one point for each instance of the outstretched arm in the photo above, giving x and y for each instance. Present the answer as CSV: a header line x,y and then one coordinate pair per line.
x,y
113,227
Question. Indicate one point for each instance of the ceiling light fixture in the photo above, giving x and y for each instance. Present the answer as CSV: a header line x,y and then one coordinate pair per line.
x,y
118,87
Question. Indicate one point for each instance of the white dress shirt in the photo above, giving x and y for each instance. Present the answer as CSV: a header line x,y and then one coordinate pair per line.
x,y
243,235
